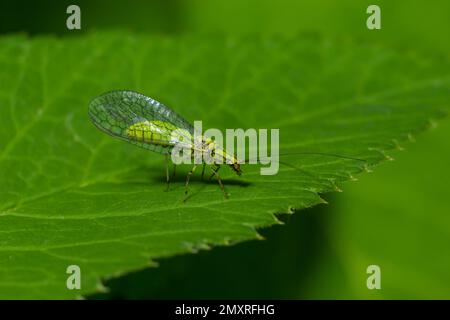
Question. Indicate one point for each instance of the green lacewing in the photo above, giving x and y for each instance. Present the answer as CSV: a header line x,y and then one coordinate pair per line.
x,y
149,124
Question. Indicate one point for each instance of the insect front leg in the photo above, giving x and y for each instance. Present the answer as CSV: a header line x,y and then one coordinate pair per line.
x,y
187,180
220,181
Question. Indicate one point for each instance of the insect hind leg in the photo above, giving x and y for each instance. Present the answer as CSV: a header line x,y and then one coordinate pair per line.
x,y
167,173
215,169
174,170
203,170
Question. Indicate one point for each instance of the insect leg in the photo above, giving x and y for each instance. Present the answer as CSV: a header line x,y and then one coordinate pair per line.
x,y
203,170
187,179
215,170
174,169
167,172
220,182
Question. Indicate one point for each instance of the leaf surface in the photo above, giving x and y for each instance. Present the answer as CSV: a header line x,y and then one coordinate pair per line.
x,y
71,195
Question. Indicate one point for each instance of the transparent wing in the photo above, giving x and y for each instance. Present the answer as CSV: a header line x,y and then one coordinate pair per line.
x,y
116,112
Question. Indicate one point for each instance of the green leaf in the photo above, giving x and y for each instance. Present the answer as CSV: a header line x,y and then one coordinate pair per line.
x,y
71,195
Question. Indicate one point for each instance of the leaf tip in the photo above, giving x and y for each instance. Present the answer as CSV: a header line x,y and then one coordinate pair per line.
x,y
411,138
100,287
259,237
432,124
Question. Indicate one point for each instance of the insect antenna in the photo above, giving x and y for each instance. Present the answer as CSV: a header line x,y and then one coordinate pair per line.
x,y
308,153
306,172
298,169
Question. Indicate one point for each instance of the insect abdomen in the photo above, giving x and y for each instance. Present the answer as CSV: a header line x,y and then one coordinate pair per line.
x,y
154,132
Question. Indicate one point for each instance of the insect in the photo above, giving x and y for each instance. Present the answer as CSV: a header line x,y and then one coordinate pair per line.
x,y
146,123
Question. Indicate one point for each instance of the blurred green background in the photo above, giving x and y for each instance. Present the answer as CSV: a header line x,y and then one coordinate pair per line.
x,y
405,23
397,218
